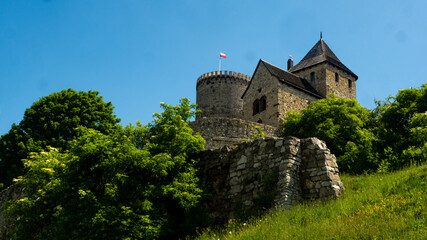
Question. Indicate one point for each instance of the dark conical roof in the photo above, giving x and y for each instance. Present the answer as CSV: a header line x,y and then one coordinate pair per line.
x,y
318,54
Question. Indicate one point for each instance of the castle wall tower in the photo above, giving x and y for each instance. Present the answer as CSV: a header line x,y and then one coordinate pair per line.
x,y
326,73
219,94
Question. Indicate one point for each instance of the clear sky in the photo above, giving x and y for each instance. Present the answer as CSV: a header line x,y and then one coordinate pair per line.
x,y
138,53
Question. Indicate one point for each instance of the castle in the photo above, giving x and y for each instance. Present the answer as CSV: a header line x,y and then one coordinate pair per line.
x,y
232,102
267,172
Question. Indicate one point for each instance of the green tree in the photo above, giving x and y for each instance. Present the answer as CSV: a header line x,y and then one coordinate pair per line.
x,y
135,183
402,127
344,125
52,121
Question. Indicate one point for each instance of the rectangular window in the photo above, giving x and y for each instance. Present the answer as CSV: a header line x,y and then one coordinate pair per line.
x,y
313,76
337,77
255,107
349,83
263,101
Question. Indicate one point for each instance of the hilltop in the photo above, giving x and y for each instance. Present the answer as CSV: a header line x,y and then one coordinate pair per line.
x,y
377,206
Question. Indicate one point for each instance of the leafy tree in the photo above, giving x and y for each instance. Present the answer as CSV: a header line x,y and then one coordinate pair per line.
x,y
135,183
52,121
402,127
345,127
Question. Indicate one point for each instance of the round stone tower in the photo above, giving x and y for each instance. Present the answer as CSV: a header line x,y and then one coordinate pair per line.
x,y
219,94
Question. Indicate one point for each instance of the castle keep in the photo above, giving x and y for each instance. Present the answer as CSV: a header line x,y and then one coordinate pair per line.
x,y
232,103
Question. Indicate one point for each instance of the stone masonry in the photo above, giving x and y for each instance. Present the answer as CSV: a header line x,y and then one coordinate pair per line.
x,y
344,86
268,172
219,132
219,93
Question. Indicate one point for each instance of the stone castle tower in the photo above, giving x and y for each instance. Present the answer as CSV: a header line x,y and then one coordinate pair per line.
x,y
219,94
233,103
326,72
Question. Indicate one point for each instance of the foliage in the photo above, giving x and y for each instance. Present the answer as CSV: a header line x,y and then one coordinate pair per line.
x,y
343,124
135,183
380,206
258,132
52,121
402,127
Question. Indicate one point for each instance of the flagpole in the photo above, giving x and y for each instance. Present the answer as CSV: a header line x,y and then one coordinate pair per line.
x,y
219,68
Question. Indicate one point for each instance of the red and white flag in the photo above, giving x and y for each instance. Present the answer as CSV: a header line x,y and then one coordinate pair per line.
x,y
222,55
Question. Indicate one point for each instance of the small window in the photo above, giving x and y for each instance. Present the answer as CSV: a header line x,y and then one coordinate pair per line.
x,y
313,76
256,107
263,103
337,77
349,83
259,105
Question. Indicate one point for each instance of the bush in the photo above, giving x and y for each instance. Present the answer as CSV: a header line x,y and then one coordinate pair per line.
x,y
344,125
135,183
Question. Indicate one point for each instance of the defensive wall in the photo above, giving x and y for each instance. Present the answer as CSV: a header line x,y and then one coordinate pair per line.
x,y
219,131
252,177
258,175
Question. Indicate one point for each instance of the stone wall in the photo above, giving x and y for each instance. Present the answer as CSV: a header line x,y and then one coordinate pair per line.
x,y
219,132
281,98
253,177
263,84
268,172
325,81
291,99
11,193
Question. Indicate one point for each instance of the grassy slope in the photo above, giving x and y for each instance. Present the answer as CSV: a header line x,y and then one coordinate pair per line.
x,y
381,206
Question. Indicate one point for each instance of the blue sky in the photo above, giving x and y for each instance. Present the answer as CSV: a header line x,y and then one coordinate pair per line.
x,y
138,53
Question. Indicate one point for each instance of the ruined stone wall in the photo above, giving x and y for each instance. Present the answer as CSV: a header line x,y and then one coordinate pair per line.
x,y
325,81
268,172
219,132
219,94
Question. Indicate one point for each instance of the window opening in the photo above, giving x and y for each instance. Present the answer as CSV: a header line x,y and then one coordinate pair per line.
x,y
256,107
263,103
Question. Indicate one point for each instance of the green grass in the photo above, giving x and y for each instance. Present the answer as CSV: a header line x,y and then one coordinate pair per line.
x,y
380,206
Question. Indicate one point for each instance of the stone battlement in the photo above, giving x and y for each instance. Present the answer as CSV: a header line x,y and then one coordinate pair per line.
x,y
219,93
222,74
